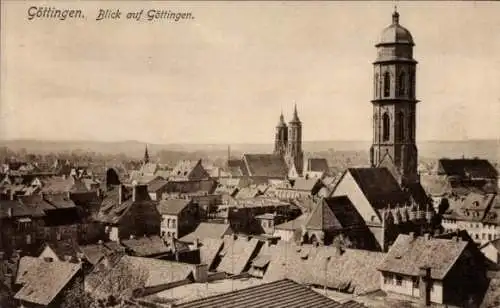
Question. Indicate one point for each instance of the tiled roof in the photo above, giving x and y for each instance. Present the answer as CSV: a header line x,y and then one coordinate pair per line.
x,y
188,187
209,249
353,271
94,253
60,201
17,209
172,206
184,168
305,184
237,254
36,201
278,294
149,168
63,249
408,254
42,281
322,218
295,224
379,186
345,212
63,184
265,165
207,230
475,168
247,192
157,184
146,246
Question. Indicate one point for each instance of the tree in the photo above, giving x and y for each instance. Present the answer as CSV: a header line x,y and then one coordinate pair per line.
x,y
120,281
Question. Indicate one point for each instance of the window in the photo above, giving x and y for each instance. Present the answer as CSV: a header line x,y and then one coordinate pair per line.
x,y
399,280
388,279
416,282
477,236
28,239
484,236
376,85
412,85
402,84
489,237
168,234
173,235
387,84
173,223
386,123
401,125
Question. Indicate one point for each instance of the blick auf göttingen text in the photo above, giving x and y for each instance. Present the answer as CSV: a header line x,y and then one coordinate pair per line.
x,y
35,12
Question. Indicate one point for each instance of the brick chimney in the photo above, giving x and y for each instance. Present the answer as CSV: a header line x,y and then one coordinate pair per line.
x,y
425,285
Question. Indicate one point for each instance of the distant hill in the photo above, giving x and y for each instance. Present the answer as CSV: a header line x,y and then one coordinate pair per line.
x,y
489,149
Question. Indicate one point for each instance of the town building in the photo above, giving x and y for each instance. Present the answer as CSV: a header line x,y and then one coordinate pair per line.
x,y
179,217
127,211
442,271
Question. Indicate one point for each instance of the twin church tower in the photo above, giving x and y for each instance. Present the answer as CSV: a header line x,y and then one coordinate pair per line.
x,y
394,110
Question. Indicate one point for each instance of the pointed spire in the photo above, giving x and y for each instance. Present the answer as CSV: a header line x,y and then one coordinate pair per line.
x,y
281,122
146,155
395,15
295,118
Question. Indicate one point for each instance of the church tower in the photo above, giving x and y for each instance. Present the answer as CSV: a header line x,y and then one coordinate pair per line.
x,y
146,155
394,104
281,138
294,155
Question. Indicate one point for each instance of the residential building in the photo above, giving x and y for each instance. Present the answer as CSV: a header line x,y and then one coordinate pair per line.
x,y
127,211
442,271
49,283
477,213
189,170
207,230
491,251
179,217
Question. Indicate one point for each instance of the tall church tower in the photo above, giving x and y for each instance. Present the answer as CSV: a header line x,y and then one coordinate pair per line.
x,y
294,155
281,138
146,155
394,104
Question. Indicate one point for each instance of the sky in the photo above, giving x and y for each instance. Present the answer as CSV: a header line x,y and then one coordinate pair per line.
x,y
225,75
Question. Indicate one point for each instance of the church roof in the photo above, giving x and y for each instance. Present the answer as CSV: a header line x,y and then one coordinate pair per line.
x,y
322,218
265,165
395,33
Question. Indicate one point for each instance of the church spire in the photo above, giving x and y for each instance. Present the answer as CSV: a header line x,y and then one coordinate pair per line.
x,y
146,155
295,118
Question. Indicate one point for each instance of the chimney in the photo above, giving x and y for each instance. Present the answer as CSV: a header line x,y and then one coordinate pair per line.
x,y
9,212
134,193
120,194
427,236
132,236
425,285
412,235
11,194
9,280
197,243
200,273
2,255
68,258
80,256
100,242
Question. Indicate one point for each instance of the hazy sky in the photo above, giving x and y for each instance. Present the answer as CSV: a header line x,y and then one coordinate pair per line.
x,y
225,76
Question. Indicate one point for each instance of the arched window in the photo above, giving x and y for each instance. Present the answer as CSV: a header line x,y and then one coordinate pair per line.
x,y
386,125
376,85
402,84
410,129
387,84
401,126
411,83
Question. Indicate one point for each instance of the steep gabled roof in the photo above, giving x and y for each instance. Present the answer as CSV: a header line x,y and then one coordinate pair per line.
x,y
408,254
42,281
322,218
265,165
172,206
207,230
237,255
475,168
378,185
